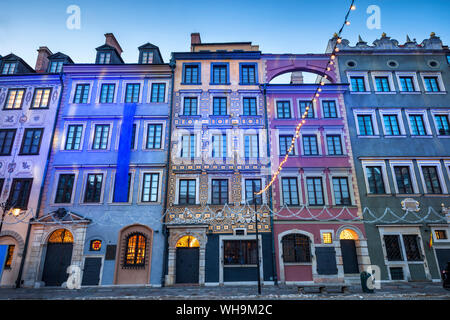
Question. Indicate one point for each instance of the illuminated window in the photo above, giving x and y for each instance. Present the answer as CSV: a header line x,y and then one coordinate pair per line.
x,y
41,98
327,237
14,99
96,245
9,256
348,234
135,252
188,242
440,234
61,236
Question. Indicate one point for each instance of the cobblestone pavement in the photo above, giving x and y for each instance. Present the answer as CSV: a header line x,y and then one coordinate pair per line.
x,y
391,291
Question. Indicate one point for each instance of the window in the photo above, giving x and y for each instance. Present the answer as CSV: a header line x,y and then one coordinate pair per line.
x,y
443,127
327,238
250,107
9,256
296,248
431,84
191,74
239,252
403,178
14,99
285,144
341,191
219,74
219,146
283,110
41,98
188,146
150,187
101,136
417,125
2,182
251,187
315,191
9,68
310,145
133,137
147,57
407,84
81,93
329,109
135,251
64,189
158,92
104,58
251,146
56,66
20,193
440,234
6,141
31,141
358,84
107,93
132,92
154,136
190,106
365,125
187,192
73,140
95,245
412,247
334,145
303,105
290,191
431,178
391,126
248,74
219,191
382,84
93,188
128,187
393,248
219,106
375,180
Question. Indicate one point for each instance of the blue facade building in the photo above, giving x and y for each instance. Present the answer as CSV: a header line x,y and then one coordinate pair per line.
x,y
398,111
104,193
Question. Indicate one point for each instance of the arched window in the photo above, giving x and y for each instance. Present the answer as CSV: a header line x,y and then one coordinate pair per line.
x,y
61,236
188,242
135,251
348,234
296,248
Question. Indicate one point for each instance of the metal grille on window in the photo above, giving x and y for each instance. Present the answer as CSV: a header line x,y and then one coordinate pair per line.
x,y
393,250
135,251
296,248
412,247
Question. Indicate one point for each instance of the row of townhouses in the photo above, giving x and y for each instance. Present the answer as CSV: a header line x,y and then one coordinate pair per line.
x,y
159,173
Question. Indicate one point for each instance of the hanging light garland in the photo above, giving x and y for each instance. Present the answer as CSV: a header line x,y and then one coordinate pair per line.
x,y
313,100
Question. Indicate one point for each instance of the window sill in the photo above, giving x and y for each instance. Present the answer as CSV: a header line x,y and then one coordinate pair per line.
x,y
410,92
191,84
385,92
249,84
444,136
418,137
370,137
437,92
360,92
435,195
240,265
402,195
298,263
219,84
393,137
46,108
374,195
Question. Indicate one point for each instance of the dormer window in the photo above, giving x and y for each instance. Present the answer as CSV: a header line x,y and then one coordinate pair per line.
x,y
56,66
104,58
9,68
147,57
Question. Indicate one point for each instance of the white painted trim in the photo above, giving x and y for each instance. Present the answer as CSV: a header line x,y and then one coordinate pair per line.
x,y
84,183
433,163
387,74
141,183
124,89
396,112
376,163
404,163
66,132
424,115
166,90
57,174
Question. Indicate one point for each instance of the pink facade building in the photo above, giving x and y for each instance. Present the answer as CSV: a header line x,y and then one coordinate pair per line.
x,y
317,223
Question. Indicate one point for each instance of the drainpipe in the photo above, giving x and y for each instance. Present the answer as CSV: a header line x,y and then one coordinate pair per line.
x,y
41,192
164,228
274,270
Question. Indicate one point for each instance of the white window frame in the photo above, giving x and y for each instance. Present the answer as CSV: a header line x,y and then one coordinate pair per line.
x,y
432,163
387,74
364,74
335,132
314,107
73,91
215,132
180,135
290,174
141,183
111,188
64,136
376,163
55,187
440,82
426,121
373,114
84,183
225,95
281,132
191,95
342,174
219,177
166,90
434,113
197,188
258,133
92,134
124,90
417,89
447,231
310,132
145,137
263,185
332,237
322,114
291,108
316,174
404,163
401,125
249,94
99,90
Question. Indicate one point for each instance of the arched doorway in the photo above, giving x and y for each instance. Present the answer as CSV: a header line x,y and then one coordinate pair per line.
x,y
296,257
348,239
58,257
187,261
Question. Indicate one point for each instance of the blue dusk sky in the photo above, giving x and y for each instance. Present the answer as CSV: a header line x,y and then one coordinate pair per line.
x,y
283,26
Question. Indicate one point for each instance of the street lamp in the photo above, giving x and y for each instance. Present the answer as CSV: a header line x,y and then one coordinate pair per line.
x,y
8,208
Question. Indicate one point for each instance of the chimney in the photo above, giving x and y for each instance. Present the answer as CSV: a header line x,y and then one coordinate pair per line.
x,y
195,39
42,59
297,77
110,40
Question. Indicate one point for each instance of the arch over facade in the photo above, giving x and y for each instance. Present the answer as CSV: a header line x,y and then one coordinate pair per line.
x,y
358,232
276,65
15,236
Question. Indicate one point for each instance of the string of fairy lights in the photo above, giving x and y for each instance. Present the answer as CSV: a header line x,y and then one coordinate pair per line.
x,y
316,95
